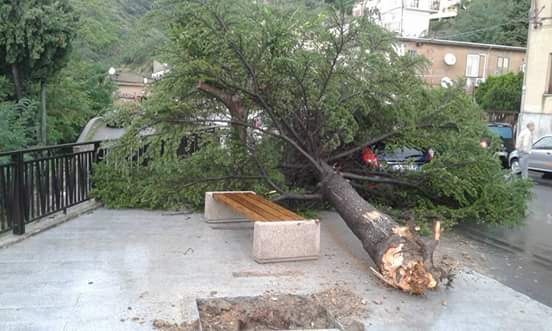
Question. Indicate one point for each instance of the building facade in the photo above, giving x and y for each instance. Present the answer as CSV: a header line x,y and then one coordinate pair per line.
x,y
537,90
446,9
454,61
408,18
131,86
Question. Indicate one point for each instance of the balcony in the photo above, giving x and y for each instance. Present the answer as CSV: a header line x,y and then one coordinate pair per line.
x,y
425,5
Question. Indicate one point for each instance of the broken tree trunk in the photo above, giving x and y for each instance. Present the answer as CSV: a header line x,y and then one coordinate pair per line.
x,y
404,260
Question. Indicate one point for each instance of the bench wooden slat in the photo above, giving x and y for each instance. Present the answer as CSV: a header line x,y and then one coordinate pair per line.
x,y
282,212
250,214
266,214
256,208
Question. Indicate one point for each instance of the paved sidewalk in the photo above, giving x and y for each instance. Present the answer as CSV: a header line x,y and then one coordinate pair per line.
x,y
122,269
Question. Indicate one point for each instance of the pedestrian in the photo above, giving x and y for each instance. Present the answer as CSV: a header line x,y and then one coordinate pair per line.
x,y
524,144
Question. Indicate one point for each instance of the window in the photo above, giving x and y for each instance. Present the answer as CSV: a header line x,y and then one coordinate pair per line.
x,y
505,132
415,3
544,143
411,52
472,65
502,65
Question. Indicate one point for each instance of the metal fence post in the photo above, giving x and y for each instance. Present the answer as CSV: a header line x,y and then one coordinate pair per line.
x,y
18,221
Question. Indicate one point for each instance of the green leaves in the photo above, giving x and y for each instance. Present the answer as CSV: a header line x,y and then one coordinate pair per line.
x,y
18,126
320,79
502,22
501,93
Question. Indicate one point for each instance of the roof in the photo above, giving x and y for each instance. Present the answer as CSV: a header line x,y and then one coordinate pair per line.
x,y
127,77
462,44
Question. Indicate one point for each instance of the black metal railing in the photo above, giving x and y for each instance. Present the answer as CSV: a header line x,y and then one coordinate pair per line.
x,y
38,182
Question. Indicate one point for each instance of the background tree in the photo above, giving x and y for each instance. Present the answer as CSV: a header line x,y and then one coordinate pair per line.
x,y
502,22
36,41
501,93
17,118
324,86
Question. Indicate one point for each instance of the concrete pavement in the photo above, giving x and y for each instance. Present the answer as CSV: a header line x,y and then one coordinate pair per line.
x,y
122,269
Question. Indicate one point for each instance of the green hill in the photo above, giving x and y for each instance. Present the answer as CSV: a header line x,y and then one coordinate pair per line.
x,y
110,30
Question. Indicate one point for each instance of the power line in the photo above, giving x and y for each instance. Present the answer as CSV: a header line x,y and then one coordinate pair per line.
x,y
485,29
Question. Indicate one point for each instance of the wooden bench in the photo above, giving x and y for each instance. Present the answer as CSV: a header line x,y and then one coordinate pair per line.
x,y
279,234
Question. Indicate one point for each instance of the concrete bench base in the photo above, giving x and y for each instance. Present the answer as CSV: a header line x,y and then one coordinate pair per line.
x,y
216,212
286,241
279,241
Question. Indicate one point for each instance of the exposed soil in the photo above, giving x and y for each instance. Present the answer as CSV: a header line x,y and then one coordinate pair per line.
x,y
333,308
166,326
279,312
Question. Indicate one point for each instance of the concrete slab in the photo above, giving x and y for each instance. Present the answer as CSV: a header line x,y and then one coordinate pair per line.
x,y
286,241
122,269
49,222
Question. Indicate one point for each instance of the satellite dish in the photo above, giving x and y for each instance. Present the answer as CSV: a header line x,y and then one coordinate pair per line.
x,y
112,71
446,82
450,59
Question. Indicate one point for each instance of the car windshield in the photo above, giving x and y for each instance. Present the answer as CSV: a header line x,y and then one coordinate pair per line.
x,y
503,131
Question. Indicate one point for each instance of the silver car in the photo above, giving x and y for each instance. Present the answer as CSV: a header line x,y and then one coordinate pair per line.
x,y
540,158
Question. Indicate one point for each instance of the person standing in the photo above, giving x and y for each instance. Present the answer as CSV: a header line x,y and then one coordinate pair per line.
x,y
524,144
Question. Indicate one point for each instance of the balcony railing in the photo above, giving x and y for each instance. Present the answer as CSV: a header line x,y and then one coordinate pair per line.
x,y
38,182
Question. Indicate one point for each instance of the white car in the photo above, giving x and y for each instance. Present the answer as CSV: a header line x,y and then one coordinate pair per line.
x,y
540,159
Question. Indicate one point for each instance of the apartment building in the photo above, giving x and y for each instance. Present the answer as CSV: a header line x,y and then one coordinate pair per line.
x,y
537,90
408,18
453,61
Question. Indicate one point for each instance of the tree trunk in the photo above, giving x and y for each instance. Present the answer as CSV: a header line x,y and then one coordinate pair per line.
x,y
239,114
44,115
235,106
404,260
17,82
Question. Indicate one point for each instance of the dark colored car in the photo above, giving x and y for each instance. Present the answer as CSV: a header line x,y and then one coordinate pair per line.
x,y
397,160
506,134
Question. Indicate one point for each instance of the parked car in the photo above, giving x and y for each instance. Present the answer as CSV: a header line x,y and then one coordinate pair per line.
x,y
506,134
540,159
398,160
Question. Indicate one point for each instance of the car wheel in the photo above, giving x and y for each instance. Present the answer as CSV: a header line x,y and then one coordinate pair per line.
x,y
516,169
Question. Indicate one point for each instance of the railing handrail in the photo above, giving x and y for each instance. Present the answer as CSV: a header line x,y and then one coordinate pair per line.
x,y
44,148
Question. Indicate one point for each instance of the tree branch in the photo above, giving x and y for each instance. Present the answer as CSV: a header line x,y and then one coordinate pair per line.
x,y
368,142
221,178
298,196
353,176
279,135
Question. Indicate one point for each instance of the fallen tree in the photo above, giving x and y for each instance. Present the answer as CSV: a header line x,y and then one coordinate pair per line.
x,y
306,91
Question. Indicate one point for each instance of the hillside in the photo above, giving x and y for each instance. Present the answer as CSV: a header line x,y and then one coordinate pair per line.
x,y
109,30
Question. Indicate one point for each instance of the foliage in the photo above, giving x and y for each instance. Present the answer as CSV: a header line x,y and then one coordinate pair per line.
x,y
324,85
36,36
80,90
78,93
501,93
136,174
18,126
17,119
105,27
502,22
123,114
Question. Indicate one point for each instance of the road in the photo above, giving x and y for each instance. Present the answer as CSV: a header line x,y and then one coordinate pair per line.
x,y
521,257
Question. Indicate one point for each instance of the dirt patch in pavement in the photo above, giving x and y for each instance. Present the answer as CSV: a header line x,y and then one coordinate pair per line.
x,y
335,308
